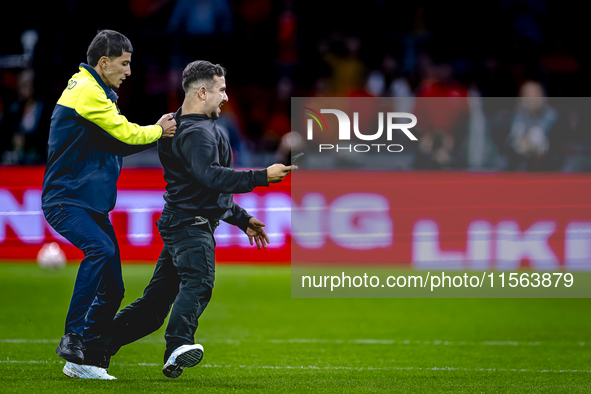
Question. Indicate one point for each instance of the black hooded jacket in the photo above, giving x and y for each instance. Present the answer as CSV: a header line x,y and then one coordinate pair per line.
x,y
197,170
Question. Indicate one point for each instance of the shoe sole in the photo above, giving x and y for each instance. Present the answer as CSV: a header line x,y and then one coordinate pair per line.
x,y
70,374
186,360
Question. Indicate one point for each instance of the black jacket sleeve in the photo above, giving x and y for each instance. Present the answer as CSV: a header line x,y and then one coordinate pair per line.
x,y
239,218
199,153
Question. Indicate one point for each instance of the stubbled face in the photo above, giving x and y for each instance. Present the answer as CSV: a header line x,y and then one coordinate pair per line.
x,y
115,70
215,98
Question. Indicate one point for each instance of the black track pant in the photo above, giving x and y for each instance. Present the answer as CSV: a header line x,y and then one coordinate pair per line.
x,y
184,276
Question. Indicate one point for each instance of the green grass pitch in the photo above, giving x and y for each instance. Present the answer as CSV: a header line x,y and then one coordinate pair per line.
x,y
258,339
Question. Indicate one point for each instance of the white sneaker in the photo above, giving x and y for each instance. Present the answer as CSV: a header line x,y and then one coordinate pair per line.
x,y
183,357
86,372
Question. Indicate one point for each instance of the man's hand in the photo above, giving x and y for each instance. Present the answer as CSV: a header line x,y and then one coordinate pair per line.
x,y
256,233
277,172
168,125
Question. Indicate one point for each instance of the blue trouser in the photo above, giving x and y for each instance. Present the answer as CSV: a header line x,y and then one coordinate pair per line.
x,y
184,276
99,289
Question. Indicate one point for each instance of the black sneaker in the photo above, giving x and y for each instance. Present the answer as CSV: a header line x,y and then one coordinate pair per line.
x,y
185,356
71,348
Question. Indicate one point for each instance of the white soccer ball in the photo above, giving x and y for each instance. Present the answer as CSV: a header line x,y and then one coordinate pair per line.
x,y
51,256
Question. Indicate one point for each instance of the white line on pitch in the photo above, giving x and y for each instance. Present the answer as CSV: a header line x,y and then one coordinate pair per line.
x,y
62,362
314,367
340,341
29,340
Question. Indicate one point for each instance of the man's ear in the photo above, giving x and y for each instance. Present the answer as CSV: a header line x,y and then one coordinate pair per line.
x,y
201,92
103,62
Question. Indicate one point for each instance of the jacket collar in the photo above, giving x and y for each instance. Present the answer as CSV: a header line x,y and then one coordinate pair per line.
x,y
194,116
111,95
177,115
179,118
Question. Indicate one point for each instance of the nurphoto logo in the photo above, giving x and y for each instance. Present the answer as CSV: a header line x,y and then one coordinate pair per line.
x,y
344,132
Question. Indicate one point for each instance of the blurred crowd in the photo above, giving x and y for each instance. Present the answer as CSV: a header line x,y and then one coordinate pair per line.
x,y
530,50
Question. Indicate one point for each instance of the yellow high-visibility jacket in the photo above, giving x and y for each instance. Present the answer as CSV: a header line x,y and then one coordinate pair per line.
x,y
88,138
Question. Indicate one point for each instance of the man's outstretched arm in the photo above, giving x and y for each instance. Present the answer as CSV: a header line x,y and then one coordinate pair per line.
x,y
199,153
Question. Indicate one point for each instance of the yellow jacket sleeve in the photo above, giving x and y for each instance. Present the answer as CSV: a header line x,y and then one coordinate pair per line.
x,y
93,105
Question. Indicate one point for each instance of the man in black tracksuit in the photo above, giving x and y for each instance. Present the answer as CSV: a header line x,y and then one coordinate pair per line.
x,y
199,193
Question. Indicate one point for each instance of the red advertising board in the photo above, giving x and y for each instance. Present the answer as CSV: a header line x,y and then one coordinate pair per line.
x,y
444,220
426,219
23,229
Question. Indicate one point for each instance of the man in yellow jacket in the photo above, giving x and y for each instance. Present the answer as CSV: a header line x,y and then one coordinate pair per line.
x,y
88,139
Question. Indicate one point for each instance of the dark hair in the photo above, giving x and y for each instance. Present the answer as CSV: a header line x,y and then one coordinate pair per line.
x,y
201,71
107,43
